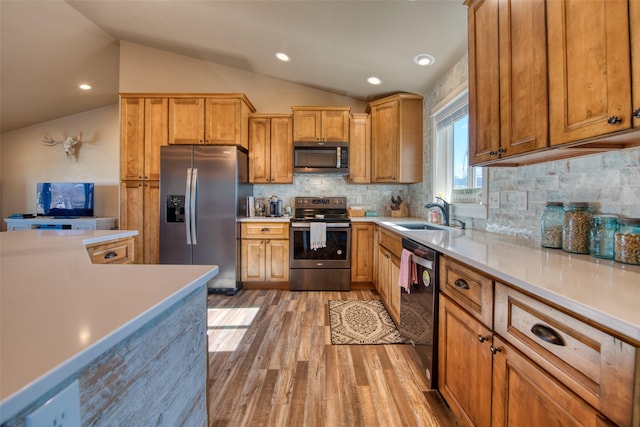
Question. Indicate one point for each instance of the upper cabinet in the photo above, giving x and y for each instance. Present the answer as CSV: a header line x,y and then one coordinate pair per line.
x,y
396,139
551,79
329,124
270,149
143,130
360,148
220,119
634,19
589,68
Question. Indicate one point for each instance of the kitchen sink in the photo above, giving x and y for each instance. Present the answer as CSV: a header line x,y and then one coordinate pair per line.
x,y
417,226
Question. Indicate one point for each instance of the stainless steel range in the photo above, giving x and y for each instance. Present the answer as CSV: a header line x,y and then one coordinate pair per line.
x,y
320,245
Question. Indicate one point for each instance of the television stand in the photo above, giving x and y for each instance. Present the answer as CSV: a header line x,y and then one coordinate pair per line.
x,y
56,223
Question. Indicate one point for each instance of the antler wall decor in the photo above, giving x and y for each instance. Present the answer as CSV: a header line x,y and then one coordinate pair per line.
x,y
69,143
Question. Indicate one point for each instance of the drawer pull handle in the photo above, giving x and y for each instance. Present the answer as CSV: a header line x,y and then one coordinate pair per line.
x,y
264,230
482,339
461,283
110,255
547,334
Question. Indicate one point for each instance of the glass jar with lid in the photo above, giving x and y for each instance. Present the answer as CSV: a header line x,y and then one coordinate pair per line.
x,y
551,225
627,241
603,229
576,228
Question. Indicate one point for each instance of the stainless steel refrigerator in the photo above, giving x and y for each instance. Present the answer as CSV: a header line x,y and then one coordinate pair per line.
x,y
203,190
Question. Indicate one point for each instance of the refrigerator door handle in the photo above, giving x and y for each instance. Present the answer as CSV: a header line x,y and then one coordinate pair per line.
x,y
192,207
187,204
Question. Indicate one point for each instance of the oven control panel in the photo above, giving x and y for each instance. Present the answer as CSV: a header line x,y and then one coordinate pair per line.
x,y
321,202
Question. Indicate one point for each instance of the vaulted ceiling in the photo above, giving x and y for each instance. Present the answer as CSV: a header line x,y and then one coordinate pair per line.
x,y
48,47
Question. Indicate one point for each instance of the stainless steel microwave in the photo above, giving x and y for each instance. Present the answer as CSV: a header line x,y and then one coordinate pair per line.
x,y
321,157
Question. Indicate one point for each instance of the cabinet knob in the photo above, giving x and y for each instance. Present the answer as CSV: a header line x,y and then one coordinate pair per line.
x,y
614,120
636,113
482,339
501,150
493,153
494,349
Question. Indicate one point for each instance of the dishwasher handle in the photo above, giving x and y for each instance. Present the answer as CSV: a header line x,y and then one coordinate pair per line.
x,y
428,264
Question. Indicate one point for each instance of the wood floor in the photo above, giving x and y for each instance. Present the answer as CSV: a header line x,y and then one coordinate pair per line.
x,y
271,363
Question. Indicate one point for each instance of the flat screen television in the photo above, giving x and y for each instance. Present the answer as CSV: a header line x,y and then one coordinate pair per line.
x,y
65,199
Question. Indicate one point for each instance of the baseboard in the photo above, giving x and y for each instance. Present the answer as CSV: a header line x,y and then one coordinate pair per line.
x,y
266,285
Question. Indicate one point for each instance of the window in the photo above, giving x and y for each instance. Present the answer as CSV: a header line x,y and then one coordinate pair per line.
x,y
453,178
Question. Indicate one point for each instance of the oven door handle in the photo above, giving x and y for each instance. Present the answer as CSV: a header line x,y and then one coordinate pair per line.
x,y
428,264
329,225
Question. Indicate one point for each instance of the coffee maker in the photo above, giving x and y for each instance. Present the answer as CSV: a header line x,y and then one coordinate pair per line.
x,y
275,206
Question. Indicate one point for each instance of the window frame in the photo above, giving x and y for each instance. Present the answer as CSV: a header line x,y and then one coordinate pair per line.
x,y
442,177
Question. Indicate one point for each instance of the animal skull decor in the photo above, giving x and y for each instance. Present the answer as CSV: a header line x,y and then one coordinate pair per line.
x,y
69,144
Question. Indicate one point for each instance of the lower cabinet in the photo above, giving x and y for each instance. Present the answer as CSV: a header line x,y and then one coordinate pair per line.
x,y
139,201
265,252
529,363
388,271
362,237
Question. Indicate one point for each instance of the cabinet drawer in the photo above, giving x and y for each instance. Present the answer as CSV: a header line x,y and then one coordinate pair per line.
x,y
261,230
114,252
391,241
597,366
469,288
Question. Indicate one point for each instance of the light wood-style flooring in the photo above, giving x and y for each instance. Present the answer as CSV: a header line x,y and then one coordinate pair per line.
x,y
271,363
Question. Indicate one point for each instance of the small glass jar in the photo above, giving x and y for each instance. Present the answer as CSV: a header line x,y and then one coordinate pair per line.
x,y
576,228
627,241
603,229
551,225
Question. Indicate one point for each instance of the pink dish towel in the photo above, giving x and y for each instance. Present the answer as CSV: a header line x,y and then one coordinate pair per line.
x,y
406,270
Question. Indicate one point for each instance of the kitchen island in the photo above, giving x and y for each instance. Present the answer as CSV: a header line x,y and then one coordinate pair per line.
x,y
133,335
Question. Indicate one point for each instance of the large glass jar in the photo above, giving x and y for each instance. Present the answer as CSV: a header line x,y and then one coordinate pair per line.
x,y
603,229
551,225
627,241
576,228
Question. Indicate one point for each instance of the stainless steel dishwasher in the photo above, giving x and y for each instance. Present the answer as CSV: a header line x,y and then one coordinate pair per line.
x,y
419,308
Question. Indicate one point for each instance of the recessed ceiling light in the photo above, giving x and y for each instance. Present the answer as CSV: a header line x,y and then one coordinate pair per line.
x,y
85,86
424,59
374,80
283,57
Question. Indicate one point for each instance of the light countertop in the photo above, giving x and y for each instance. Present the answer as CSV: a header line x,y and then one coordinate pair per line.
x,y
604,291
58,311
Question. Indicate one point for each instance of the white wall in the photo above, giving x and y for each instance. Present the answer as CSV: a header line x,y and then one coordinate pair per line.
x,y
26,160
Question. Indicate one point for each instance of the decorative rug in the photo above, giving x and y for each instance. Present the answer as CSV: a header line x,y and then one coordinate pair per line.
x,y
362,322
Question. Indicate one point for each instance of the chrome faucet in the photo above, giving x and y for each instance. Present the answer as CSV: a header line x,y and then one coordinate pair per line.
x,y
444,207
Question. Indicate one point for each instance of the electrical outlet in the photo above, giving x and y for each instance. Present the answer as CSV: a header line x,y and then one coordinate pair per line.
x,y
522,201
62,410
358,199
494,199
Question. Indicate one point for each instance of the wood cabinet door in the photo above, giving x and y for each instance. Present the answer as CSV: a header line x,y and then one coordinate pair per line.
x,y
524,395
277,261
524,115
383,275
384,142
132,213
156,135
223,121
634,20
132,148
361,252
484,81
253,260
259,150
394,289
589,68
307,125
335,126
186,121
150,252
464,375
281,150
360,149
